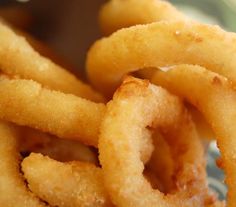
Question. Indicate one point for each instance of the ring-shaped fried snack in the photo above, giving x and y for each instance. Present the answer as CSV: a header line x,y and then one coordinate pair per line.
x,y
118,14
74,184
136,106
158,45
18,58
26,103
215,97
64,150
12,187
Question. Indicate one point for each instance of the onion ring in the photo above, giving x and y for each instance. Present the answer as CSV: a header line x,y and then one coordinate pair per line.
x,y
12,187
215,98
157,45
19,58
117,14
31,140
26,103
63,115
203,128
82,183
120,139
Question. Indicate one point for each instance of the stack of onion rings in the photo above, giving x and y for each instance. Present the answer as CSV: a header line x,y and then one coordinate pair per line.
x,y
148,139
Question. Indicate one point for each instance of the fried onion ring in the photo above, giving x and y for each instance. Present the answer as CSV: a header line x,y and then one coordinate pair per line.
x,y
120,138
20,59
64,150
26,103
82,183
157,45
63,115
215,97
117,14
203,128
12,187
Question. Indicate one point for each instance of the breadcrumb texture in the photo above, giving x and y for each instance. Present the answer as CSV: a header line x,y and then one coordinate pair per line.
x,y
13,190
74,184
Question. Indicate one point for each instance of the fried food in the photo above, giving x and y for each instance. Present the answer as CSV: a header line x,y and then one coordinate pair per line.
x,y
148,137
215,97
18,58
63,115
159,45
31,140
118,14
120,139
12,186
203,128
82,183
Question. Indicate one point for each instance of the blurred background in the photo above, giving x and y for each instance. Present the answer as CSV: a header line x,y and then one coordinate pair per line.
x,y
221,12
70,27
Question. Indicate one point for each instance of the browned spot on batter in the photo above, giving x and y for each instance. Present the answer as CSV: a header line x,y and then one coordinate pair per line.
x,y
198,39
216,81
194,37
220,163
134,85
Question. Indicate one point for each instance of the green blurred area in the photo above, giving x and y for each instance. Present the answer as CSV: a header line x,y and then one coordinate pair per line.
x,y
222,12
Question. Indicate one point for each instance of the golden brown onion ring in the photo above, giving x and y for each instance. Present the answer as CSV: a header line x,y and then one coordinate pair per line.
x,y
117,14
64,150
13,190
64,115
215,97
74,184
203,128
26,103
158,45
20,59
120,139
